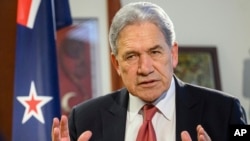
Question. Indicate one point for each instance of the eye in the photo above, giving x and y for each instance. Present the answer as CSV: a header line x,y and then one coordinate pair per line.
x,y
155,52
130,56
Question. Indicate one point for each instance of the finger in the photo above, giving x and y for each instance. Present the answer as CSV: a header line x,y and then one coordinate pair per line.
x,y
64,129
185,136
202,134
85,136
55,130
56,134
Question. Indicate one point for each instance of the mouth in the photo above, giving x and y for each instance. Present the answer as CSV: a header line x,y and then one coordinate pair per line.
x,y
148,83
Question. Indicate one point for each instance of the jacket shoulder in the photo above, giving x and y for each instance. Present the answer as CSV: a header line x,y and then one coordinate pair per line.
x,y
93,106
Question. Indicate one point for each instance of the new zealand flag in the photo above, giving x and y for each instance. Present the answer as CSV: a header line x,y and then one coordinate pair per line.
x,y
36,90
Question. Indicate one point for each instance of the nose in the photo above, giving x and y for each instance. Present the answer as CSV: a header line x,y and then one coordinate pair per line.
x,y
145,65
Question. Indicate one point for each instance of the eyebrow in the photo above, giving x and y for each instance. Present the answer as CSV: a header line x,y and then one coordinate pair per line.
x,y
156,47
129,52
150,49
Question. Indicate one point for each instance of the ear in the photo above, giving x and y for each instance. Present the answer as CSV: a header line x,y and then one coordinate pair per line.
x,y
174,52
115,63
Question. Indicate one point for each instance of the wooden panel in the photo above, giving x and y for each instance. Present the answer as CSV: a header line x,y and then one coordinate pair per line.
x,y
7,55
113,7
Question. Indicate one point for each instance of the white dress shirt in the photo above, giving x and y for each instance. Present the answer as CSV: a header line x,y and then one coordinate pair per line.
x,y
163,120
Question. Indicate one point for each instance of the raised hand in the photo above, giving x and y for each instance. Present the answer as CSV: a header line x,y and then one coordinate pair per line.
x,y
60,131
201,135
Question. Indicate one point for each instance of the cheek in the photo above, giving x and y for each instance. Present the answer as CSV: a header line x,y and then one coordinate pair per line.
x,y
165,67
123,69
124,66
128,72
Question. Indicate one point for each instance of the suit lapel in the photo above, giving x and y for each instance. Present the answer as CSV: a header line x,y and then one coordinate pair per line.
x,y
188,110
114,119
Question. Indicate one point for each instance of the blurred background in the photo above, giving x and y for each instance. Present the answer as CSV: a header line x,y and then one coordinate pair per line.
x,y
223,25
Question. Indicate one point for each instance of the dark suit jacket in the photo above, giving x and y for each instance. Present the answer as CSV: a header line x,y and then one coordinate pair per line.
x,y
105,116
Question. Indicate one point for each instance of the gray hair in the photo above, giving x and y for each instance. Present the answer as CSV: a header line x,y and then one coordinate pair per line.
x,y
141,12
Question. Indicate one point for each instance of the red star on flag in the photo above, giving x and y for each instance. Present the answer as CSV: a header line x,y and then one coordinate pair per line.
x,y
33,104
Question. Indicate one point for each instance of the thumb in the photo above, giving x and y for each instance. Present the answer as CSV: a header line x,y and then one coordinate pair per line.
x,y
85,136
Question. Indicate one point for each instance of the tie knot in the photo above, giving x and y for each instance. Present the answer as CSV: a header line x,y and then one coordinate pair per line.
x,y
149,111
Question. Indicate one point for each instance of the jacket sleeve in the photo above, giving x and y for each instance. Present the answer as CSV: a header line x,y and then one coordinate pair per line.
x,y
238,115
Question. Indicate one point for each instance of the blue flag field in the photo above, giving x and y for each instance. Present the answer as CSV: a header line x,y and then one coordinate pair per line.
x,y
36,91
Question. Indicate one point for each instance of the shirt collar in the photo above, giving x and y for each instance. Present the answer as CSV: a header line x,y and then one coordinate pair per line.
x,y
166,103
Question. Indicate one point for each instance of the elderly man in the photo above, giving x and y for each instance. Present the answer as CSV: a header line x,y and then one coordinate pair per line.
x,y
145,53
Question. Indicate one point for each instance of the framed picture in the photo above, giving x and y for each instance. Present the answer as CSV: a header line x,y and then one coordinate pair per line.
x,y
199,65
77,53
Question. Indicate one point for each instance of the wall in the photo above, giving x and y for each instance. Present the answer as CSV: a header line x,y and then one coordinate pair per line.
x,y
97,9
224,24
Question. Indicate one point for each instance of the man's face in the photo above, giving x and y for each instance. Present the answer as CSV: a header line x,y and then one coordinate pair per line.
x,y
144,61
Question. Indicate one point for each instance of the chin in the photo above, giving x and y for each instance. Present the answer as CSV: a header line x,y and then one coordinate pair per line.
x,y
149,99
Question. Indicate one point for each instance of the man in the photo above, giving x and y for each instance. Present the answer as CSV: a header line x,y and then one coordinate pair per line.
x,y
144,53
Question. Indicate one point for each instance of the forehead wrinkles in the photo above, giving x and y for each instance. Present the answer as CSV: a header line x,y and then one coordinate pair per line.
x,y
139,35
